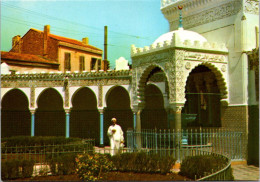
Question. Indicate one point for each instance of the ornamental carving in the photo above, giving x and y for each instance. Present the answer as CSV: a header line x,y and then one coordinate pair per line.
x,y
195,56
32,97
100,95
213,14
180,83
251,6
152,58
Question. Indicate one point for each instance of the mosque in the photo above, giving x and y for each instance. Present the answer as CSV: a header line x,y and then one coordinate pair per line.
x,y
204,68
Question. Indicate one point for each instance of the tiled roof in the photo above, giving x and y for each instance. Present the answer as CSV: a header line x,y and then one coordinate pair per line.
x,y
68,40
25,58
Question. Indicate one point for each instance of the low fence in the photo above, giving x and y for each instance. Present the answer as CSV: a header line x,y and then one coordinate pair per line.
x,y
183,143
39,154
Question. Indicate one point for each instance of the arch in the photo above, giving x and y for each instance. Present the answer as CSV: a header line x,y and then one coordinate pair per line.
x,y
54,90
202,98
143,80
221,81
84,117
50,115
118,106
15,114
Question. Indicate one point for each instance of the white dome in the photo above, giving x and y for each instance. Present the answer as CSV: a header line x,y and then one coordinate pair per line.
x,y
183,35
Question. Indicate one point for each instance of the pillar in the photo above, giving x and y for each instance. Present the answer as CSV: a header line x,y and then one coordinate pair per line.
x,y
134,122
67,123
101,111
32,122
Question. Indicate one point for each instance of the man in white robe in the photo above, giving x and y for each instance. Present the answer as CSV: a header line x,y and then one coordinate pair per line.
x,y
116,137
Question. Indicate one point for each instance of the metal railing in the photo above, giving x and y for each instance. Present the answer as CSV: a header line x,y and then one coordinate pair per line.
x,y
182,143
39,154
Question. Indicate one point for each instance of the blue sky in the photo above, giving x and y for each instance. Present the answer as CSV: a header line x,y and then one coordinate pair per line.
x,y
137,22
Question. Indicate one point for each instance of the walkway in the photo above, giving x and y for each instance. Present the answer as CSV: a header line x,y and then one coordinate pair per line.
x,y
246,172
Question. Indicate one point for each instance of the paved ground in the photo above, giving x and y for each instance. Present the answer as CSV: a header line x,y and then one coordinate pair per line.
x,y
246,172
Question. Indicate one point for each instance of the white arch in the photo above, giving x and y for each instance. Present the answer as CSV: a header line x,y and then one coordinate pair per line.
x,y
74,90
26,92
108,89
39,91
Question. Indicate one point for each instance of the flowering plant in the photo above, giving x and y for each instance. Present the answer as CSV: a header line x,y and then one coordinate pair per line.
x,y
90,166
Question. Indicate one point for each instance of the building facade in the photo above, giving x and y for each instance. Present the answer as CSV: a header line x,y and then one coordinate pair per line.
x,y
200,68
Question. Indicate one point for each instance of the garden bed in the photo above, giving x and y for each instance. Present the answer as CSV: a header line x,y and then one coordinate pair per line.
x,y
114,176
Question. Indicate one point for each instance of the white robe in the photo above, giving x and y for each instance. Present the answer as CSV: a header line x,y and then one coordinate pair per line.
x,y
115,138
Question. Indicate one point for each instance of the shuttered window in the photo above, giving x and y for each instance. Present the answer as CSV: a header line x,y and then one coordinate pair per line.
x,y
67,65
81,63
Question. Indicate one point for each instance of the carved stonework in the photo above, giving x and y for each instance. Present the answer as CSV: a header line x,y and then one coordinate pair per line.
x,y
207,16
196,56
156,57
100,95
67,96
251,6
32,95
180,83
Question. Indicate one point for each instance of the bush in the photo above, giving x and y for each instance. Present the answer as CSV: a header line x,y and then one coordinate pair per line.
x,y
201,165
62,164
90,166
142,162
16,169
27,168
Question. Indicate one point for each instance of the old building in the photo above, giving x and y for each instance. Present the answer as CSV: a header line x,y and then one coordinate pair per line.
x,y
205,68
42,46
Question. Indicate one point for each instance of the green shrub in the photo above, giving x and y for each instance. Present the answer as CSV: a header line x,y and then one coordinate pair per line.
x,y
16,169
27,168
90,166
201,165
143,162
62,164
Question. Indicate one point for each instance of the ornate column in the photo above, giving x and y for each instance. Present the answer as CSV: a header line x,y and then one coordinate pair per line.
x,y
137,122
32,121
67,127
101,111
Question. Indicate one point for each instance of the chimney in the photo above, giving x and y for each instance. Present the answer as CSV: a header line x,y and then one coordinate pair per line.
x,y
45,39
85,40
16,42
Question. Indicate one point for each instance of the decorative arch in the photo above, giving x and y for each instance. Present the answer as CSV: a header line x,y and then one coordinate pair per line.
x,y
38,95
15,114
50,114
84,116
203,96
221,81
143,79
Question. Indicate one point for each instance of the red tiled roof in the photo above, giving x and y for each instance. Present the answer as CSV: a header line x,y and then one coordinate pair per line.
x,y
68,40
26,58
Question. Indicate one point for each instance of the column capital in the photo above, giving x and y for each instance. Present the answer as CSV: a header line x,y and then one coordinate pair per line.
x,y
32,110
101,109
67,110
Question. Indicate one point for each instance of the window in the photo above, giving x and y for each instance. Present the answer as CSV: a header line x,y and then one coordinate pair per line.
x,y
81,63
67,66
93,63
99,64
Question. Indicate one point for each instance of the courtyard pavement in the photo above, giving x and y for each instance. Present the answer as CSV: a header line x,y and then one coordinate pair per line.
x,y
245,172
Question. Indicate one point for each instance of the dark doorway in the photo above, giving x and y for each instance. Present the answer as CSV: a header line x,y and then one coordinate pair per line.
x,y
50,115
154,115
84,117
118,106
15,114
203,98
